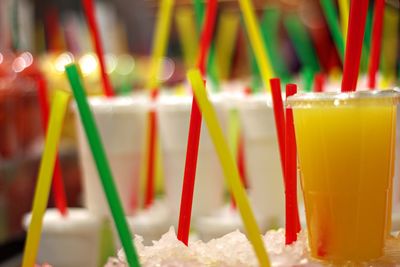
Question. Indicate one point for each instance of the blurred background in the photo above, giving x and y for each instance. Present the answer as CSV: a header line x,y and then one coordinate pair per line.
x,y
38,37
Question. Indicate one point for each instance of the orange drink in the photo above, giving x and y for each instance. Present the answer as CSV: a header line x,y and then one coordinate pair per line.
x,y
345,145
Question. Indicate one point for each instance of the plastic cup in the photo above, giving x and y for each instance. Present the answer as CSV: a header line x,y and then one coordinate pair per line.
x,y
173,120
345,145
262,158
121,122
69,241
151,223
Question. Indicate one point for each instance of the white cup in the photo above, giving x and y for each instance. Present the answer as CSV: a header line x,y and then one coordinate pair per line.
x,y
262,158
121,122
151,223
173,113
69,241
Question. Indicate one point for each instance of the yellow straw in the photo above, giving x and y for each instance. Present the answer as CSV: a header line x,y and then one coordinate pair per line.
x,y
229,167
58,110
226,42
344,15
160,41
187,33
256,42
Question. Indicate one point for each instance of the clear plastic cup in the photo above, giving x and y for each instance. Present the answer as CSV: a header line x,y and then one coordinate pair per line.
x,y
262,158
173,113
121,122
69,241
345,144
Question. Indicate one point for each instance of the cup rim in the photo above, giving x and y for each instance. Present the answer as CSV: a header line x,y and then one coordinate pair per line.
x,y
336,99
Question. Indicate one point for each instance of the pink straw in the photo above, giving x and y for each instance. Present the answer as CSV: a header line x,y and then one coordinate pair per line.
x,y
292,210
91,20
194,130
376,43
355,36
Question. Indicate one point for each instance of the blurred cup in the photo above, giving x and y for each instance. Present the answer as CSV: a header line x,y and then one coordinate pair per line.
x,y
69,241
262,158
173,114
345,145
121,122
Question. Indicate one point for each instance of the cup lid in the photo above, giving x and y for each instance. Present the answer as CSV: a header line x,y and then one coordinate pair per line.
x,y
336,99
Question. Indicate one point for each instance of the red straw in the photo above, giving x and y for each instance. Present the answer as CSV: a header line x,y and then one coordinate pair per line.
x,y
376,42
355,36
319,82
279,118
292,210
240,157
194,130
149,196
91,20
60,198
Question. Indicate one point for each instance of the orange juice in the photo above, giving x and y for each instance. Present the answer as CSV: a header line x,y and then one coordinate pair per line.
x,y
345,144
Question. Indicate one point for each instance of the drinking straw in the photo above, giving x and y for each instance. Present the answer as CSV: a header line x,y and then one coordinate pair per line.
x,y
270,33
15,26
160,41
211,63
58,110
187,35
212,70
225,42
88,7
302,44
368,30
194,131
331,18
344,16
229,167
198,13
308,76
60,198
292,209
152,150
102,165
106,243
279,116
319,81
390,45
254,34
376,43
355,35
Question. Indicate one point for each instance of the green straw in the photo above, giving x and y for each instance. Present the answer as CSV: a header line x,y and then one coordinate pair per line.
x,y
198,13
301,41
304,48
102,165
333,23
15,26
368,29
256,83
269,30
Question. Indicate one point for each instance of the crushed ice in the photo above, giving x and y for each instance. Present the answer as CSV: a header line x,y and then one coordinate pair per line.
x,y
230,250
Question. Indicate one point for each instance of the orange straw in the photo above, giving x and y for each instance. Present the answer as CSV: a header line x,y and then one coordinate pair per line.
x,y
94,31
355,36
376,42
